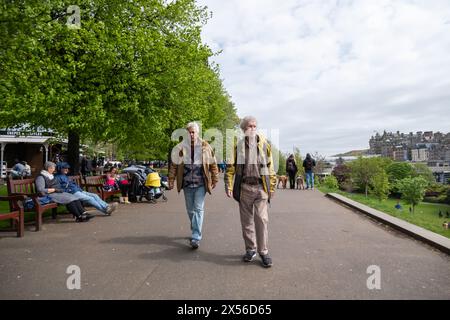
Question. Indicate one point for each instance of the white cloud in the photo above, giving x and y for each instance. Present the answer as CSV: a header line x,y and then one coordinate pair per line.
x,y
329,73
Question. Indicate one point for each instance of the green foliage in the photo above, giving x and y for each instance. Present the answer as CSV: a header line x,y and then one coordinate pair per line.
x,y
438,199
422,170
364,169
282,162
380,185
427,216
299,161
412,190
133,72
437,193
342,172
331,182
399,170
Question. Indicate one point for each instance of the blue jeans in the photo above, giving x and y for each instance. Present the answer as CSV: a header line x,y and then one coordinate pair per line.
x,y
309,179
91,199
195,201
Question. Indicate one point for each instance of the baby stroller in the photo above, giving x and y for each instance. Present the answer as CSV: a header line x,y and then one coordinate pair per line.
x,y
146,183
154,187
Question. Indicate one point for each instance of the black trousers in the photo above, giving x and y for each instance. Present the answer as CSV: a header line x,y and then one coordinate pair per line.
x,y
75,208
124,189
292,180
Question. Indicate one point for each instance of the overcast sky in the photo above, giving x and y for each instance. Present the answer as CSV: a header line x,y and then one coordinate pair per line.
x,y
328,74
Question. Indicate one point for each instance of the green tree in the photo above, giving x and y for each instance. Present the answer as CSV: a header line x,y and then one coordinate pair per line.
x,y
397,171
412,190
131,74
380,185
282,161
363,170
422,170
299,161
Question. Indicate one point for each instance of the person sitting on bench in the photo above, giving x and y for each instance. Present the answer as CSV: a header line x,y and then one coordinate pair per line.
x,y
88,198
46,184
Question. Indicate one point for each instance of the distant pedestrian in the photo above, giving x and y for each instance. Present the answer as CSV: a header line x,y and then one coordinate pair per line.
x,y
86,166
291,170
309,164
398,206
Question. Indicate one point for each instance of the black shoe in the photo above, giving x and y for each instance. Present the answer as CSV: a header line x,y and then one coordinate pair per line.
x,y
88,215
84,217
195,243
266,260
249,255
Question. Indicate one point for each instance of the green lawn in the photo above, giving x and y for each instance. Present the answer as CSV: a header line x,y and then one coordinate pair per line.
x,y
426,215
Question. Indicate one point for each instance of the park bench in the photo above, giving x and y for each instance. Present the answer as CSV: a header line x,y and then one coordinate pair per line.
x,y
27,187
95,184
16,214
79,180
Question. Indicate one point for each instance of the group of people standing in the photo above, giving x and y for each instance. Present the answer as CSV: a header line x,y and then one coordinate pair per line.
x,y
250,179
291,169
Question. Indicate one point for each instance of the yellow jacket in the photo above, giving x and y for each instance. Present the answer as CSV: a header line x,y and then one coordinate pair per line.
x,y
235,168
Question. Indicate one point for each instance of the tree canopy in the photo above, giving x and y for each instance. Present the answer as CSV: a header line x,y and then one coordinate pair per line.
x,y
131,73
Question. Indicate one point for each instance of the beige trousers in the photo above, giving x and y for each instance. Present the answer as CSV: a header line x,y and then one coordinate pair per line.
x,y
254,217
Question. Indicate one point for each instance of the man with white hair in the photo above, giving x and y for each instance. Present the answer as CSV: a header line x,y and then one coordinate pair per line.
x,y
195,169
253,187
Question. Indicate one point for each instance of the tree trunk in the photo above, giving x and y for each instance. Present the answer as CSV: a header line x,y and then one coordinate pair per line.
x,y
73,152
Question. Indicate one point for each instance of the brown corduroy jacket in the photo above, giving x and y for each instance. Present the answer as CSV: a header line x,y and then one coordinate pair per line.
x,y
209,164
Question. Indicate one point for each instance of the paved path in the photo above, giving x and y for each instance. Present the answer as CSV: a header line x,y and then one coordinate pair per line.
x,y
321,250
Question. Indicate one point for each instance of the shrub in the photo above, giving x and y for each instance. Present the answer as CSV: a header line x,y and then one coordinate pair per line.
x,y
439,199
347,186
380,186
331,182
342,173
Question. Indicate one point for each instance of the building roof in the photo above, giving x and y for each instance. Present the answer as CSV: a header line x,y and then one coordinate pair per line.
x,y
25,139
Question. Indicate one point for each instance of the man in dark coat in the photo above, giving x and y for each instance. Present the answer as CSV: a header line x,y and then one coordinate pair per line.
x,y
291,170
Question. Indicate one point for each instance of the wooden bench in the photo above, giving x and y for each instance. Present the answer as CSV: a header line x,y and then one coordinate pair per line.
x,y
95,184
16,215
27,187
79,180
